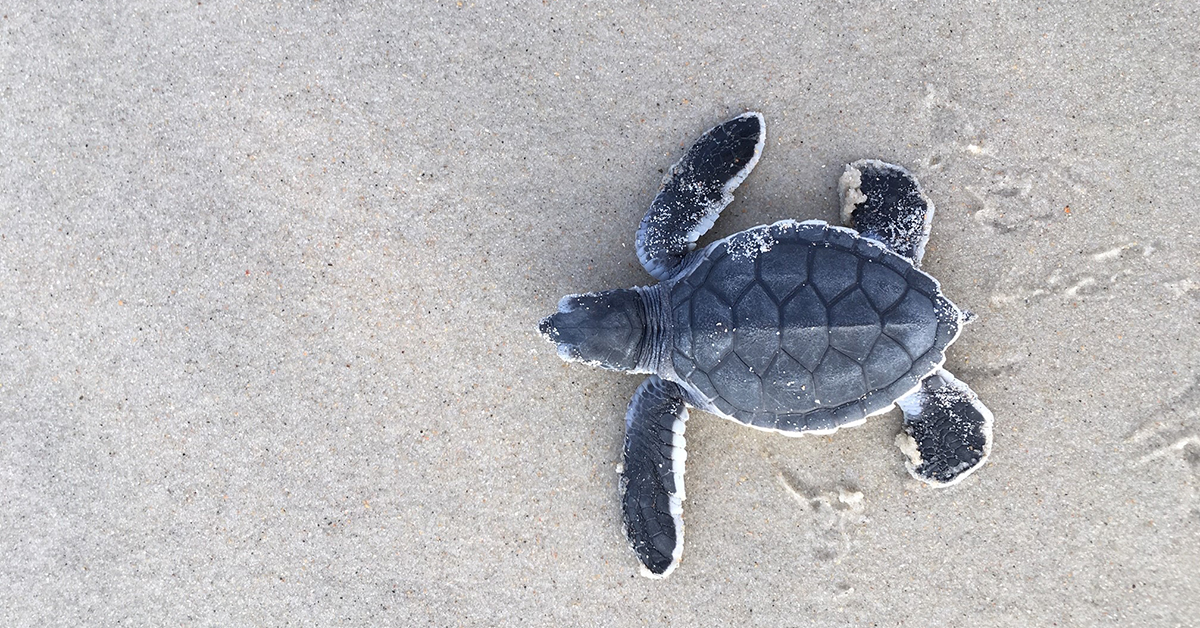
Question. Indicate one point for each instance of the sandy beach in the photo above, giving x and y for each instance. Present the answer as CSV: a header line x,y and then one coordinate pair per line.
x,y
270,279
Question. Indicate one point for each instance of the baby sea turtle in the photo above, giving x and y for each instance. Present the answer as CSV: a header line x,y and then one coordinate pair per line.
x,y
795,327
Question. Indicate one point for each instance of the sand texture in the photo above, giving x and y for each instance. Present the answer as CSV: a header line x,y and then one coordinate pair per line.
x,y
270,278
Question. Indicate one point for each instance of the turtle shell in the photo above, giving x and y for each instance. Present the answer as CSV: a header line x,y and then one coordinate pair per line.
x,y
804,326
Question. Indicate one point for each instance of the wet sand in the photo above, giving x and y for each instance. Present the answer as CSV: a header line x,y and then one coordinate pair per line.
x,y
270,280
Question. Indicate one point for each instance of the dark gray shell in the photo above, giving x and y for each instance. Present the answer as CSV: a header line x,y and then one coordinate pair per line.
x,y
804,326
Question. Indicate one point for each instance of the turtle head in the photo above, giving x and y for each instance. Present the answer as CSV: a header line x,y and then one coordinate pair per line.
x,y
605,329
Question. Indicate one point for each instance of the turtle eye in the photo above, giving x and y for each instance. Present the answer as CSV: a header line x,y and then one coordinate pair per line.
x,y
570,353
574,302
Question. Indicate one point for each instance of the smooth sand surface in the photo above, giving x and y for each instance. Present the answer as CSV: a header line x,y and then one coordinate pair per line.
x,y
270,276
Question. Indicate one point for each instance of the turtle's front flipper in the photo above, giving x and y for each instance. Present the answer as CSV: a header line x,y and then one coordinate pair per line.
x,y
696,189
947,430
652,480
884,202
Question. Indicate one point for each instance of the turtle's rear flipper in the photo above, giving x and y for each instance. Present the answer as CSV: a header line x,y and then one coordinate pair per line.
x,y
884,202
696,189
947,430
652,480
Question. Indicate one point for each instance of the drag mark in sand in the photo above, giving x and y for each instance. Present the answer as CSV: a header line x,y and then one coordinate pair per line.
x,y
1173,430
1089,278
835,512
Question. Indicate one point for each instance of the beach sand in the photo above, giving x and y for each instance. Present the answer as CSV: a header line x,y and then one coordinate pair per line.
x,y
270,277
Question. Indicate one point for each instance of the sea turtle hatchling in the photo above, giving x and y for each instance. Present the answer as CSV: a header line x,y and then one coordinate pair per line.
x,y
794,327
